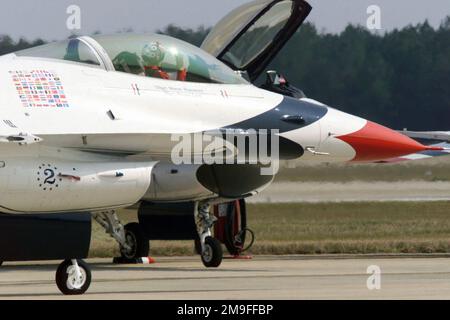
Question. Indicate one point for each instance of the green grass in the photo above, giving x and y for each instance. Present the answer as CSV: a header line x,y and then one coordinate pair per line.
x,y
392,227
388,227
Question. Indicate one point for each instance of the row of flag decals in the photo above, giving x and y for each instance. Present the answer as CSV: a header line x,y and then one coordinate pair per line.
x,y
39,88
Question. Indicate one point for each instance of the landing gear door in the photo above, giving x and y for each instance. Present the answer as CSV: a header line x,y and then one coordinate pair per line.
x,y
250,37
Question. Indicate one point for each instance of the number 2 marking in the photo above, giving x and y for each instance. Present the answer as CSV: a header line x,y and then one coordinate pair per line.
x,y
50,174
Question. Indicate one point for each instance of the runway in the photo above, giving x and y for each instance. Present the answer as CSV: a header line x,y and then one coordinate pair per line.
x,y
286,277
355,191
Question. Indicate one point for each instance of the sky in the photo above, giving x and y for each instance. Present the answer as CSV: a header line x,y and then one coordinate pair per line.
x,y
47,18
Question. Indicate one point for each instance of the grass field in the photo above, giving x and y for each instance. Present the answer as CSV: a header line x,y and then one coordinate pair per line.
x,y
387,227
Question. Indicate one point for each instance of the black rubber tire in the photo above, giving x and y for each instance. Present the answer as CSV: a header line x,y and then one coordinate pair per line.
x,y
1,262
62,276
141,245
213,256
230,243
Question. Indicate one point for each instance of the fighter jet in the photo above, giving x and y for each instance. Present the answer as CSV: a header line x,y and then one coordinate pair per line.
x,y
94,124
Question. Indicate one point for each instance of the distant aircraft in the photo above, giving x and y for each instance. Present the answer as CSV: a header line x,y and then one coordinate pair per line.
x,y
89,126
436,139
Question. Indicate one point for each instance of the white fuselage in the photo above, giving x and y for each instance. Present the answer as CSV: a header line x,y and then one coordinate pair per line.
x,y
146,117
126,122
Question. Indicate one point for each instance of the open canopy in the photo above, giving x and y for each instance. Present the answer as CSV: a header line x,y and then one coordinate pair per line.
x,y
149,55
249,37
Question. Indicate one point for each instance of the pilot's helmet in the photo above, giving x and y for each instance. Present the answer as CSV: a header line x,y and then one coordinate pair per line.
x,y
153,54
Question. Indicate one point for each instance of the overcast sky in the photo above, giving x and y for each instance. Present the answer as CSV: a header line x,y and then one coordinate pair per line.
x,y
47,18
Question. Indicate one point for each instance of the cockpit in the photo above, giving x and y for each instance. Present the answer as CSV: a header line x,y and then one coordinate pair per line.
x,y
155,56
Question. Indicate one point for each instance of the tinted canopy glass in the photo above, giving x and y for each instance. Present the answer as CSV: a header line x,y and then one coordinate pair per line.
x,y
259,35
231,25
74,50
251,36
167,58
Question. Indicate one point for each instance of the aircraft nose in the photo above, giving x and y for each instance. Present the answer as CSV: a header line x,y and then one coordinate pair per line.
x,y
375,142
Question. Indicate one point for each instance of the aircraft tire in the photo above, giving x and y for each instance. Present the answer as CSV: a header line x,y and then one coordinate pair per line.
x,y
66,281
212,257
138,241
233,247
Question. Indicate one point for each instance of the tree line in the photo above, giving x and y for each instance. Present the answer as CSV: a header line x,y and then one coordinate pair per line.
x,y
399,78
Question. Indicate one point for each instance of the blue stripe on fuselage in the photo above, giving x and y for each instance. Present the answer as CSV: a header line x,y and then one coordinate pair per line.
x,y
272,119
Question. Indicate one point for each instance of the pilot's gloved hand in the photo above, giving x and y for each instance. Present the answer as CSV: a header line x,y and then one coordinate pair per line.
x,y
128,62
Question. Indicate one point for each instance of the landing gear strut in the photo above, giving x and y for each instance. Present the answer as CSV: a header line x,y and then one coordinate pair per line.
x,y
73,277
211,248
131,239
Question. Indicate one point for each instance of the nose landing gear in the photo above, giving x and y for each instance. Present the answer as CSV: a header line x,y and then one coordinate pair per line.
x,y
211,248
73,277
212,254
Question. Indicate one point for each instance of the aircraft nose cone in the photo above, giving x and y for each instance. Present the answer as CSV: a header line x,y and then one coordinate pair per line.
x,y
375,142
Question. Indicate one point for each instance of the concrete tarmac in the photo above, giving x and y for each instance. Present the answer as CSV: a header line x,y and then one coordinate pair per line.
x,y
316,192
285,277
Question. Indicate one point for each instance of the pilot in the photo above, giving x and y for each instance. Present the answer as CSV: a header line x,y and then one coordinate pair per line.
x,y
153,56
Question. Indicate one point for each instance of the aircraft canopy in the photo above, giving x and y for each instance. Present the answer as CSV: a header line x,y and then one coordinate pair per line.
x,y
153,55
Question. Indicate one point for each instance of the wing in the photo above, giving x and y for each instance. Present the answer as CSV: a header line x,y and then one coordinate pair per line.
x,y
10,133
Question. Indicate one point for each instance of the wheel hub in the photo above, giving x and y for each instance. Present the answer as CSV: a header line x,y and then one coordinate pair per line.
x,y
207,253
76,278
130,252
